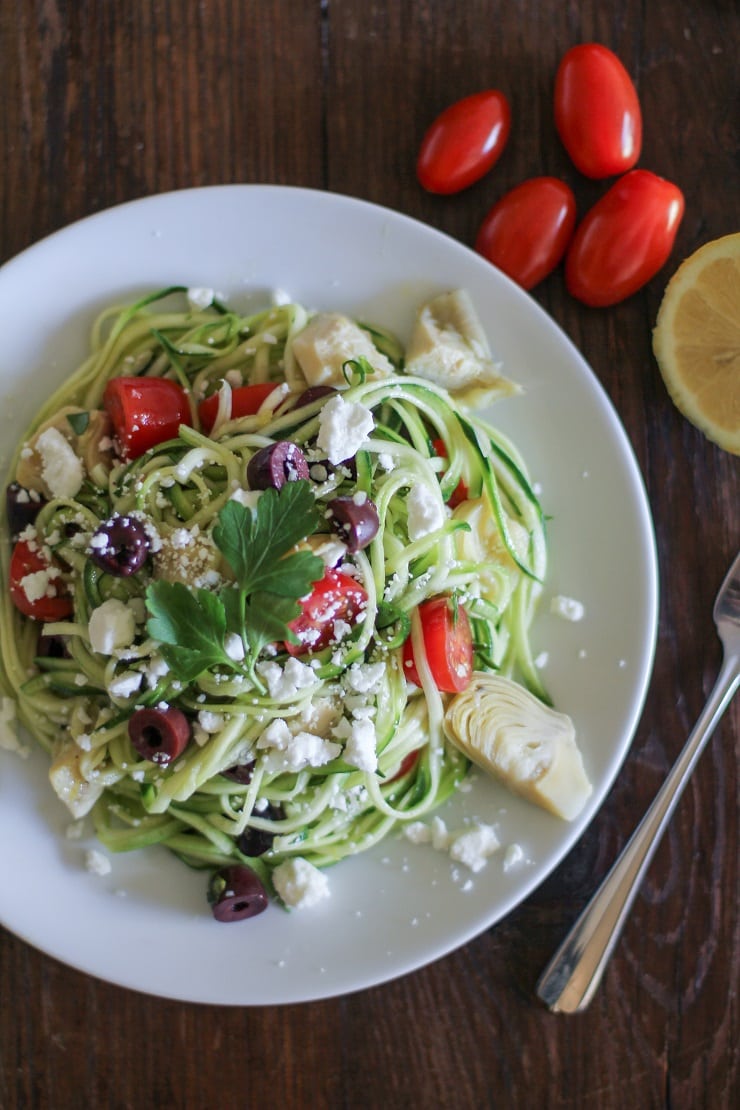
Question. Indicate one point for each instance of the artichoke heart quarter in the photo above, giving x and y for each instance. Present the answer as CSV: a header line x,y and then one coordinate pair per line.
x,y
513,736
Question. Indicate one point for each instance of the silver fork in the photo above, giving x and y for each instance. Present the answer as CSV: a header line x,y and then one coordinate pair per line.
x,y
570,980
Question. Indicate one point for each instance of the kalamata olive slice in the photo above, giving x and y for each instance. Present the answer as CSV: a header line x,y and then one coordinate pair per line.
x,y
273,466
313,393
236,893
22,507
159,734
255,842
240,772
354,520
120,546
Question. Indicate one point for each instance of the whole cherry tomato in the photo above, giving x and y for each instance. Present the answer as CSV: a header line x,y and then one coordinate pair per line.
x,y
335,597
528,230
597,113
624,239
245,401
448,643
29,572
145,411
464,142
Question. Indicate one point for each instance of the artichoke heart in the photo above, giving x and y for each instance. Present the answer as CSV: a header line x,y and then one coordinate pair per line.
x,y
529,747
449,347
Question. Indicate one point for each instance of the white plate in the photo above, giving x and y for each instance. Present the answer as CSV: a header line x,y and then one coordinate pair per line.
x,y
146,925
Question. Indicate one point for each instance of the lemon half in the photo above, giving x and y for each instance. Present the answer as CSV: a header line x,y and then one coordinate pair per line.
x,y
696,340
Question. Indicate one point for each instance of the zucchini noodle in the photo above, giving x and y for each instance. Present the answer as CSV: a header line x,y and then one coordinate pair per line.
x,y
487,554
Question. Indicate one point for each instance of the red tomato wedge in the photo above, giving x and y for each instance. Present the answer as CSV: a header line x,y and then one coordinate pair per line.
x,y
527,231
448,642
624,239
597,112
464,142
145,412
335,597
246,400
460,492
29,574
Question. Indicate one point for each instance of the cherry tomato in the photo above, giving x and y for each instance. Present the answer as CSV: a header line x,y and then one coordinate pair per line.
x,y
246,400
448,643
624,239
460,492
464,142
597,113
54,604
145,411
335,597
527,231
405,765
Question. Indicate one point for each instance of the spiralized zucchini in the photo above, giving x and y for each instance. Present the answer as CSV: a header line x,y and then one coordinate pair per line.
x,y
488,554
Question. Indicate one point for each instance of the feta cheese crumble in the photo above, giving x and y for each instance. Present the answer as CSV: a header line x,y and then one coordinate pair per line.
x,y
112,625
567,608
426,511
61,469
343,428
300,884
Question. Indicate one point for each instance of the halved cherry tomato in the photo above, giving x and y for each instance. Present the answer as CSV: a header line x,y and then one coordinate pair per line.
x,y
597,113
460,492
527,231
246,400
464,142
405,765
145,412
448,643
335,597
54,604
624,239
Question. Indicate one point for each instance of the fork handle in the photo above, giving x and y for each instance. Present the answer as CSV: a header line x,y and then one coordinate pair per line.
x,y
573,974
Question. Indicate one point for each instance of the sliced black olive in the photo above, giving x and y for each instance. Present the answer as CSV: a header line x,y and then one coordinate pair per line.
x,y
159,734
120,546
235,893
355,522
255,842
271,467
22,507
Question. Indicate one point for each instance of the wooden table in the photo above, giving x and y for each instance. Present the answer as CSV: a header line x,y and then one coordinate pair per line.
x,y
104,102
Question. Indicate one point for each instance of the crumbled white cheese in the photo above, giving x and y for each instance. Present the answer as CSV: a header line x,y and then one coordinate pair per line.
x,y
61,469
126,684
9,741
300,884
343,428
359,749
365,678
567,608
97,863
284,751
210,721
280,297
513,855
112,625
472,847
200,297
426,511
418,833
234,647
40,583
283,683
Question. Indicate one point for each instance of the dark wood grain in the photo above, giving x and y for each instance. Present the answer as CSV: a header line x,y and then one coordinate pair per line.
x,y
104,102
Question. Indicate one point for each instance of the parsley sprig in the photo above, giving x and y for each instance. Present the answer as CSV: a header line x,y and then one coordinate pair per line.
x,y
191,624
